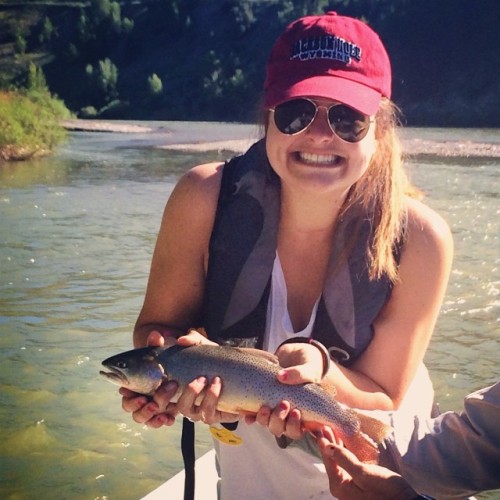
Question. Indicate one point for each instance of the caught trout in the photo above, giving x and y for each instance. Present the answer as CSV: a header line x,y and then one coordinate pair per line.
x,y
248,383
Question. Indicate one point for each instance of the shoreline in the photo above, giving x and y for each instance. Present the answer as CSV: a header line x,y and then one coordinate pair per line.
x,y
411,147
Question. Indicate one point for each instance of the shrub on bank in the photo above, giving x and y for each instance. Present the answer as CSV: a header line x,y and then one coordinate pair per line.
x,y
30,123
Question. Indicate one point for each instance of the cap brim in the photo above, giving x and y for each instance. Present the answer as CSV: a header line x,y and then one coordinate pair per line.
x,y
354,94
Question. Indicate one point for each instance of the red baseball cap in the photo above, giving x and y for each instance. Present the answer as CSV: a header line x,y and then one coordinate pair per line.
x,y
329,56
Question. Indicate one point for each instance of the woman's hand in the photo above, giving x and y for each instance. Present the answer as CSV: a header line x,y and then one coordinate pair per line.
x,y
303,363
155,410
159,409
283,420
189,404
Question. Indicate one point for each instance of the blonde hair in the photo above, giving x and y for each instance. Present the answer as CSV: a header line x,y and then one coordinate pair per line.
x,y
382,191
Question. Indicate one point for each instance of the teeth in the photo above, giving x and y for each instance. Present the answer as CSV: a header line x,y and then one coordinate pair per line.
x,y
318,159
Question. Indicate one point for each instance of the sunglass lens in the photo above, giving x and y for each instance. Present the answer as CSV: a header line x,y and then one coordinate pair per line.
x,y
293,116
349,124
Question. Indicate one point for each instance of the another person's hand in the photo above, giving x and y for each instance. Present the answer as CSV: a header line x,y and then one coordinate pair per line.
x,y
351,479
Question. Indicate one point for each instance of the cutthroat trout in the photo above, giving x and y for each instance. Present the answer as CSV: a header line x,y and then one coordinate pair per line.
x,y
248,383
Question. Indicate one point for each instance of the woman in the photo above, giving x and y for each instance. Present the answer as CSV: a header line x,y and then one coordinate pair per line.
x,y
313,233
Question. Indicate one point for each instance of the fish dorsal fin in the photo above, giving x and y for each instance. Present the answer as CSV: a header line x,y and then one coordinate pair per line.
x,y
268,356
327,386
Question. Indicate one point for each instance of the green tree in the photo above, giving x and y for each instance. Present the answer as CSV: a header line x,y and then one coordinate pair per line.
x,y
20,43
47,31
244,15
155,85
107,78
103,80
30,120
83,26
35,80
108,14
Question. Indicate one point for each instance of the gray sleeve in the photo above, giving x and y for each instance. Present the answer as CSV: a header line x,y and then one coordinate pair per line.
x,y
454,455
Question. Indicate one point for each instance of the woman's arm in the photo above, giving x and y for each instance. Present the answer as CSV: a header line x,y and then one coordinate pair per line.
x,y
176,283
175,288
380,377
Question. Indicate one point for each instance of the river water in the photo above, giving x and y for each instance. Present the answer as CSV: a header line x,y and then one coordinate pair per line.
x,y
77,232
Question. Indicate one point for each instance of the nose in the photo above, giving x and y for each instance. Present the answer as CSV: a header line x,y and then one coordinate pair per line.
x,y
320,126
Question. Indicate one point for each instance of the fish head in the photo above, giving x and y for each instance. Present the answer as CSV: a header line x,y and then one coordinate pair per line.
x,y
138,370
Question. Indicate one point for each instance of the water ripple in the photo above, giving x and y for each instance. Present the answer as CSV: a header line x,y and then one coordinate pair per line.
x,y
77,234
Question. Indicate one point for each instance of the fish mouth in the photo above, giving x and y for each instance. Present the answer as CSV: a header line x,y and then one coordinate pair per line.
x,y
115,376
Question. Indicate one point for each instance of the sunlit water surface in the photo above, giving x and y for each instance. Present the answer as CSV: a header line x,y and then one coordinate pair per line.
x,y
77,232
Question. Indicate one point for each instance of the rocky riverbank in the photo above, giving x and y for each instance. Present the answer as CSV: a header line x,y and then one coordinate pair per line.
x,y
76,125
20,153
411,146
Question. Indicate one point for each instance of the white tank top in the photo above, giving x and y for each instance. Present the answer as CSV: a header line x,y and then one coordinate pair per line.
x,y
278,324
258,468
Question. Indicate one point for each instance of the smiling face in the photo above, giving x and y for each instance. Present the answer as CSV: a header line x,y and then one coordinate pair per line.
x,y
317,159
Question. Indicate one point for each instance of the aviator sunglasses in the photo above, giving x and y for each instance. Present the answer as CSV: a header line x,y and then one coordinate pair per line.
x,y
294,116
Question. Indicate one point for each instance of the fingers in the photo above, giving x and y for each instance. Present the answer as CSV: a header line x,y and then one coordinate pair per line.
x,y
340,480
277,419
155,411
280,420
250,419
208,408
165,394
155,339
160,419
302,363
131,401
296,375
346,459
193,337
294,425
199,401
329,436
128,393
186,403
338,456
145,412
350,478
161,408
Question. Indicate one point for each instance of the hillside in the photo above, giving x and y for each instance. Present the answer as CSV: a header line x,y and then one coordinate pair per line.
x,y
204,60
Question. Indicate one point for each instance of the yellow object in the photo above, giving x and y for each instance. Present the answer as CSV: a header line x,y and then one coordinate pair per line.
x,y
225,436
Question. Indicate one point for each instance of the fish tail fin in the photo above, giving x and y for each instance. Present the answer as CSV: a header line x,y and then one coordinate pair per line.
x,y
374,428
365,443
362,446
